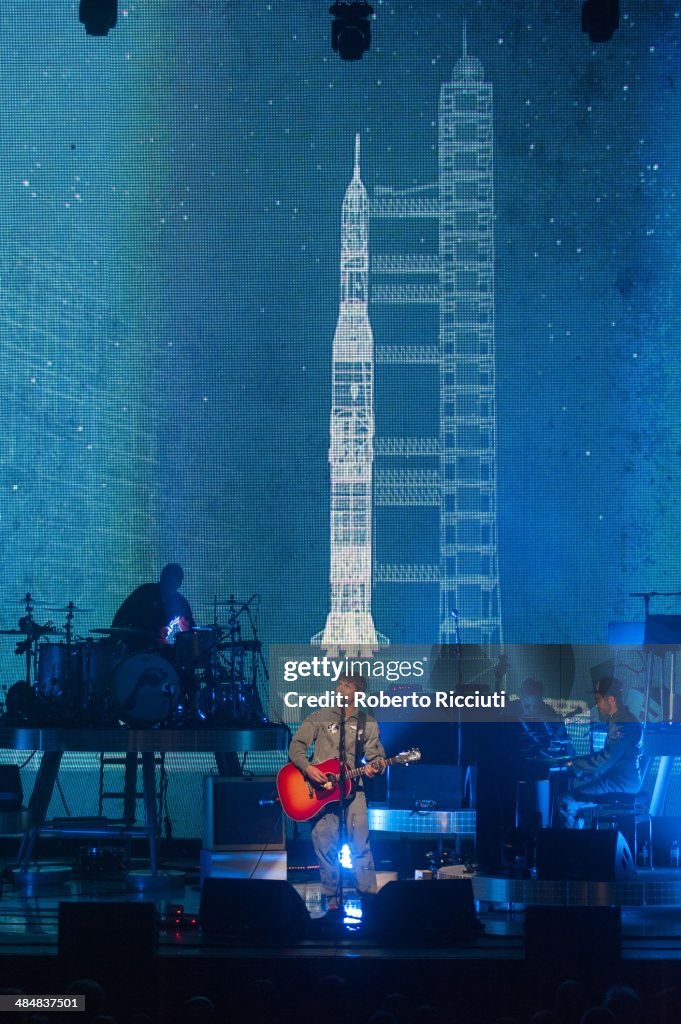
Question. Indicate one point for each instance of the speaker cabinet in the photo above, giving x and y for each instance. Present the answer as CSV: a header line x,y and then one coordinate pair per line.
x,y
587,855
243,911
242,814
425,913
590,935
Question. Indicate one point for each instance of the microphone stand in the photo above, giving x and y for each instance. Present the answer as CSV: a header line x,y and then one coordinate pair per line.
x,y
459,659
341,808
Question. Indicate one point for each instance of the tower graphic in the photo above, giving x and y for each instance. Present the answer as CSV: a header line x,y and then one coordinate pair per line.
x,y
469,566
453,473
349,625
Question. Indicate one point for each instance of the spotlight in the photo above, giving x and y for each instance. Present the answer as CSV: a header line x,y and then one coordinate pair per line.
x,y
98,16
600,19
351,28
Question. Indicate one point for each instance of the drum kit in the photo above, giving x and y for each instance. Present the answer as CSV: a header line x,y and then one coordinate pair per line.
x,y
205,676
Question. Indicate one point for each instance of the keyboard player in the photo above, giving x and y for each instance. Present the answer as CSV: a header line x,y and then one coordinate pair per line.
x,y
520,746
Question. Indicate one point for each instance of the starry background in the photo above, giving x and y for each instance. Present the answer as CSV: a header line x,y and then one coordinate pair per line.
x,y
170,201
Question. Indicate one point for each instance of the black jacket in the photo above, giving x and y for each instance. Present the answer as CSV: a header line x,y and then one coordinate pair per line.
x,y
620,758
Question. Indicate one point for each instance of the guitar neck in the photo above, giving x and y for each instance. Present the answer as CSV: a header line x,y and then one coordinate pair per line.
x,y
354,773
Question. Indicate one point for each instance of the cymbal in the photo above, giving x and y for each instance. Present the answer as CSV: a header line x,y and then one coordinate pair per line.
x,y
32,602
120,630
243,645
68,608
37,630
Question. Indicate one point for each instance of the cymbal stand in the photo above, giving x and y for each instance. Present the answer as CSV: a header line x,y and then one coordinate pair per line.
x,y
258,710
247,695
68,625
73,678
236,655
211,672
31,653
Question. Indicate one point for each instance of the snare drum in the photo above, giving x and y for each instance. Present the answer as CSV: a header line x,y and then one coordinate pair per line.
x,y
145,690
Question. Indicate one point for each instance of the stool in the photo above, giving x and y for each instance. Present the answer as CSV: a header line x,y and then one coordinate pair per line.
x,y
626,812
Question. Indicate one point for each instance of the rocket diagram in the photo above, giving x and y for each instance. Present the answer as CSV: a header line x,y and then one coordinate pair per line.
x,y
349,625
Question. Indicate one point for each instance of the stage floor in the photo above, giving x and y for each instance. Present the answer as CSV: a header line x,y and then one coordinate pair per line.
x,y
28,920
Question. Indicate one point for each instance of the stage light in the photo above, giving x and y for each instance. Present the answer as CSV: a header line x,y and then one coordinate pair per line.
x,y
600,19
351,28
345,857
98,16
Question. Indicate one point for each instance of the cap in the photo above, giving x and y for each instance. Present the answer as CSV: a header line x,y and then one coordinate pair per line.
x,y
609,686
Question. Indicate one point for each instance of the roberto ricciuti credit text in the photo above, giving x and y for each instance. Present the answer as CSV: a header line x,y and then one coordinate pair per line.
x,y
437,699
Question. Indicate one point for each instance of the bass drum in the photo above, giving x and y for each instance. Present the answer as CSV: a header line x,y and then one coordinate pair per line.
x,y
145,690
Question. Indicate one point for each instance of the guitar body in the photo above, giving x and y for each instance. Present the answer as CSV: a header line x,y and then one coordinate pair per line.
x,y
302,800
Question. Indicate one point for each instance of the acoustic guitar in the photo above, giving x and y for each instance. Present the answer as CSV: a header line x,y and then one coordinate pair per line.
x,y
302,799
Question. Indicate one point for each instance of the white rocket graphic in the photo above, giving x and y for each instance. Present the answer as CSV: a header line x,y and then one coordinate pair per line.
x,y
349,626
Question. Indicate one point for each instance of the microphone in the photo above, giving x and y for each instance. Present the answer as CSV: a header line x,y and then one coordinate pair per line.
x,y
575,711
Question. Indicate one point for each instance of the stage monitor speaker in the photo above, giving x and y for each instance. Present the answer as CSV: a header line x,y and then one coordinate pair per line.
x,y
107,940
249,911
425,913
583,855
242,814
592,935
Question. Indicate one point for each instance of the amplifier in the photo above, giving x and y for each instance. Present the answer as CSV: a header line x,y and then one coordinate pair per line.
x,y
242,814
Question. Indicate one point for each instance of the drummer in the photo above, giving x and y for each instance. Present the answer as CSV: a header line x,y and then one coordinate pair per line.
x,y
157,610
